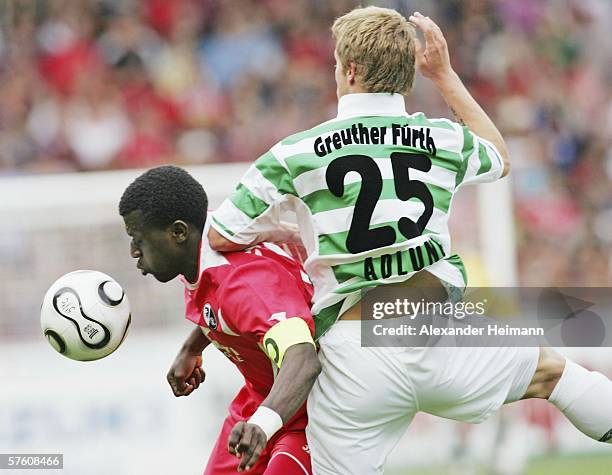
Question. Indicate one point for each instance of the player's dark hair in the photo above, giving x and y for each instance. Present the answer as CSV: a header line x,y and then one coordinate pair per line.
x,y
165,194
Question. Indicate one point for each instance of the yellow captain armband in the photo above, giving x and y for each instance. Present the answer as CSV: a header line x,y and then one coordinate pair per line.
x,y
284,335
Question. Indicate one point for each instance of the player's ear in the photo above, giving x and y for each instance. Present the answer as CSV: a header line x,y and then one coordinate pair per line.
x,y
180,231
351,73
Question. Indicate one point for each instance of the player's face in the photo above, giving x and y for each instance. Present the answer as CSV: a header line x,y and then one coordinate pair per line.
x,y
154,248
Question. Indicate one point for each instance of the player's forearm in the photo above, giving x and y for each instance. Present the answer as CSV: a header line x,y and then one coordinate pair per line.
x,y
220,243
195,342
294,381
469,113
285,232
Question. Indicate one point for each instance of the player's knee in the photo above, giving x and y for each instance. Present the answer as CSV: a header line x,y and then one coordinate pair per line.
x,y
547,375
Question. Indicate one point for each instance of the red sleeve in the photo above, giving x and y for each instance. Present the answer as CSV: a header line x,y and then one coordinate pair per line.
x,y
255,296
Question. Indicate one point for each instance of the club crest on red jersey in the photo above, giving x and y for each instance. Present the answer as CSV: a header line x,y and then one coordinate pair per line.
x,y
209,316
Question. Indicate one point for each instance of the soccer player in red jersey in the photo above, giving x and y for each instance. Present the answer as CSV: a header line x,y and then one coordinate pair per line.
x,y
252,305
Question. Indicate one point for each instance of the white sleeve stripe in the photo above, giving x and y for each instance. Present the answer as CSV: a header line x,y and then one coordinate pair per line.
x,y
239,217
293,457
473,163
239,222
260,186
224,326
227,236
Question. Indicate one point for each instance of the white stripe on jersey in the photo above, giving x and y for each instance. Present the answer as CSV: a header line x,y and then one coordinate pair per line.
x,y
282,152
339,220
223,325
473,164
314,180
239,221
274,248
292,457
447,272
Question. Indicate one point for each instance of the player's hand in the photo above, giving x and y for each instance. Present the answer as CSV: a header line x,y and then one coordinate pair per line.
x,y
246,442
432,60
284,233
186,373
289,232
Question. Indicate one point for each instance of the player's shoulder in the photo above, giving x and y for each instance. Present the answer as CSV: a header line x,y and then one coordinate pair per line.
x,y
263,258
420,119
309,133
297,150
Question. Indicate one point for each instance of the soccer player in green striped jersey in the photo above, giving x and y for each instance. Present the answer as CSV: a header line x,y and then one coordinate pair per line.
x,y
372,189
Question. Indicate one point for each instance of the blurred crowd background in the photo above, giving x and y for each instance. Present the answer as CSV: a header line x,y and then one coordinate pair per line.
x,y
110,84
95,85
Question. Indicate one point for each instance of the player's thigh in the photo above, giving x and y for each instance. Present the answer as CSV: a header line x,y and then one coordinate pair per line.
x,y
469,384
360,404
289,455
221,462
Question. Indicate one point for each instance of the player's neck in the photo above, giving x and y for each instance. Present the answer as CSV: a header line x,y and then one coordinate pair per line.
x,y
354,89
191,265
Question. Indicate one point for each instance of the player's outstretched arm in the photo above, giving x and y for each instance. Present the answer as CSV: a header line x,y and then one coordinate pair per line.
x,y
299,370
433,62
186,373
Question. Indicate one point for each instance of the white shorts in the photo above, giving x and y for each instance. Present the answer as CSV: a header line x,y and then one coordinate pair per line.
x,y
365,398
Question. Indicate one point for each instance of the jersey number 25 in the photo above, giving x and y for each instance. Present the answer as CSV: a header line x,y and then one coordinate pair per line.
x,y
360,237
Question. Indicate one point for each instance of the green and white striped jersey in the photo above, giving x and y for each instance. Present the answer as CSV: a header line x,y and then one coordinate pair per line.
x,y
372,190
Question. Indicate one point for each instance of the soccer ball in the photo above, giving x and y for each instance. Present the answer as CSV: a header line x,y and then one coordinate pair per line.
x,y
85,315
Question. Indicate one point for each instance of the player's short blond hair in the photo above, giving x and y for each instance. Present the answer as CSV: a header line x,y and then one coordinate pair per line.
x,y
380,42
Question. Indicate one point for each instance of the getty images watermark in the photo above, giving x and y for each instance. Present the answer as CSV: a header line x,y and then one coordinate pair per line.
x,y
395,315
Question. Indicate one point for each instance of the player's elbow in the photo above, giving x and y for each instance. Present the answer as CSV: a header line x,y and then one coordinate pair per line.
x,y
304,361
312,368
506,169
220,243
505,156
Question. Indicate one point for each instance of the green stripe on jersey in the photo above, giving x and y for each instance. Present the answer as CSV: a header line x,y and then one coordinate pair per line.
x,y
275,173
372,121
444,158
220,224
466,151
394,264
421,119
323,200
326,318
306,162
247,202
456,261
485,161
335,243
416,120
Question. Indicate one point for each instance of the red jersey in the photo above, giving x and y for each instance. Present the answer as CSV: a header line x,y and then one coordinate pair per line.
x,y
239,296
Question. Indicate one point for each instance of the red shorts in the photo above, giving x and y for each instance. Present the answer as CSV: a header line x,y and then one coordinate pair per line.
x,y
286,454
